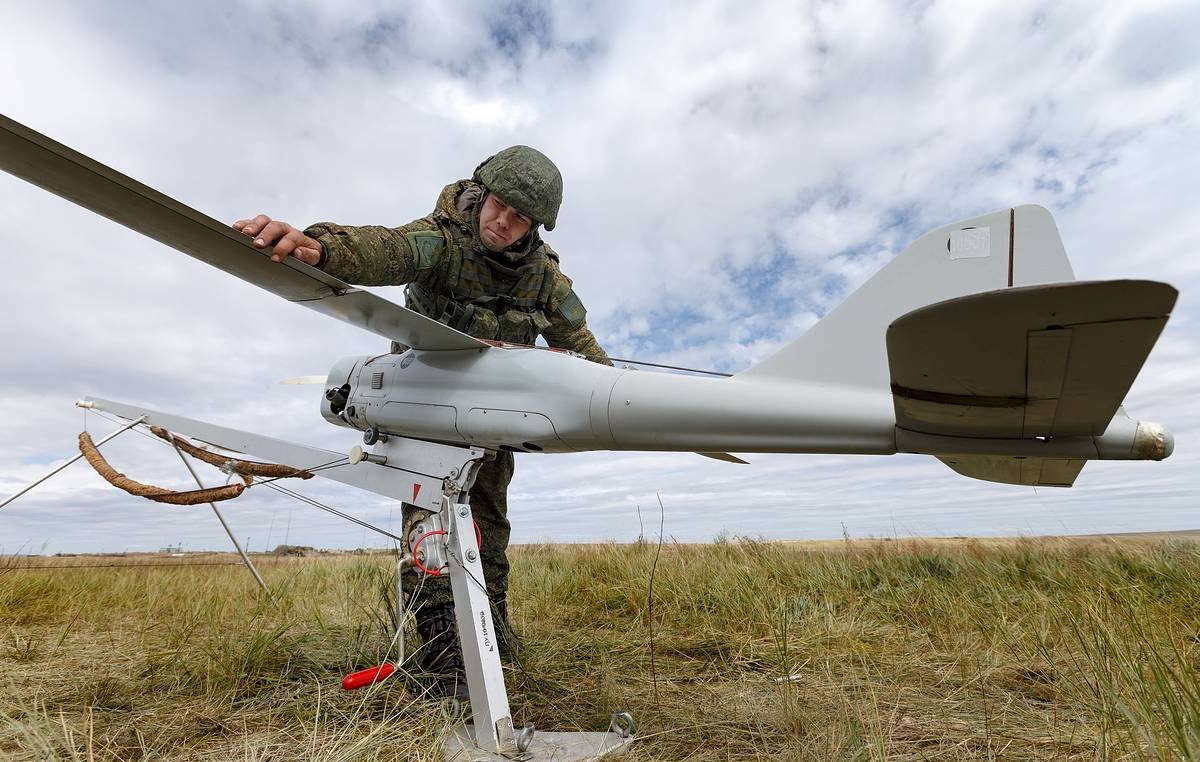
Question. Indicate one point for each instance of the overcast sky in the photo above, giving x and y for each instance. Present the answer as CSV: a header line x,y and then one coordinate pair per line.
x,y
732,172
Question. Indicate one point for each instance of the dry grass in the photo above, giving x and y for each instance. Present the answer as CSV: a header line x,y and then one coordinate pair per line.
x,y
897,650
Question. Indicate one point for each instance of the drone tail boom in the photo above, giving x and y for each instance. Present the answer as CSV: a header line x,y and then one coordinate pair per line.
x,y
990,350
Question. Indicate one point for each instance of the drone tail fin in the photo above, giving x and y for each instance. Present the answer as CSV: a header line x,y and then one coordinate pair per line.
x,y
1020,246
998,362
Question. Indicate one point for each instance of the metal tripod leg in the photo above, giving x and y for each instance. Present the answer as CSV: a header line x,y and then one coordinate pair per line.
x,y
476,631
492,736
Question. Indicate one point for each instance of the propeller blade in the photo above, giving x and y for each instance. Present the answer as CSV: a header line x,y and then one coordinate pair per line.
x,y
303,380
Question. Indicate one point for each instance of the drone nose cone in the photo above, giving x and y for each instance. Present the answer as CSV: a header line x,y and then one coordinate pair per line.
x,y
1152,441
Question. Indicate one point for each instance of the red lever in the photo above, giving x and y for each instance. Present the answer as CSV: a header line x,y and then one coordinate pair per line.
x,y
367,676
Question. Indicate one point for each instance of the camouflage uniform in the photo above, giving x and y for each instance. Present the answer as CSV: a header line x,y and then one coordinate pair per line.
x,y
514,296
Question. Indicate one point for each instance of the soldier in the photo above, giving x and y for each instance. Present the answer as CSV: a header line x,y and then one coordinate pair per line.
x,y
478,264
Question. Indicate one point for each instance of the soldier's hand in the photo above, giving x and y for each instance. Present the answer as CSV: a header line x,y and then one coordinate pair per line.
x,y
283,239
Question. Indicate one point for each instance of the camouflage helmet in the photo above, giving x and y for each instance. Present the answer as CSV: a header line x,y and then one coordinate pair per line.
x,y
527,180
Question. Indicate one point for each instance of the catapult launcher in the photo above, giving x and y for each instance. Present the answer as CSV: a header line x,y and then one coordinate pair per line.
x,y
975,345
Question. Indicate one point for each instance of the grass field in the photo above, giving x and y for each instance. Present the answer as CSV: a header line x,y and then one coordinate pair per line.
x,y
1026,649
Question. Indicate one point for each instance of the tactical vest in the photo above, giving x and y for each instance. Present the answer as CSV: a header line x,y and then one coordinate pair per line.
x,y
480,296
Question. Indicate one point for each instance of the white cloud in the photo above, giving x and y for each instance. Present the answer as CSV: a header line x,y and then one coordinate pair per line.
x,y
742,166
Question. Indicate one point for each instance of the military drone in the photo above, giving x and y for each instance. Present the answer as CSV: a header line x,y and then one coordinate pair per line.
x,y
975,345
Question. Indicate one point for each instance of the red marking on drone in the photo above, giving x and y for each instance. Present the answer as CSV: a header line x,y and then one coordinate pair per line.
x,y
416,489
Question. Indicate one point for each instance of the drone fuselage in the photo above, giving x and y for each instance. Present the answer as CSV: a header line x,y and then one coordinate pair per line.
x,y
533,400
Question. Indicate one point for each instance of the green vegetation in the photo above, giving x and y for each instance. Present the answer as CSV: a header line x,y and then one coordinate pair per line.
x,y
1030,649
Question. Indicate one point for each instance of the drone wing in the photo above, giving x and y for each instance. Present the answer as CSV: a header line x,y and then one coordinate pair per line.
x,y
65,172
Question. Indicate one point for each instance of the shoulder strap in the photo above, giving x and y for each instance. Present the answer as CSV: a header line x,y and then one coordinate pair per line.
x,y
446,277
551,275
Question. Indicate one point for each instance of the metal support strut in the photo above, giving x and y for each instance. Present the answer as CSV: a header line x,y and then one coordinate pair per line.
x,y
446,543
220,517
473,613
491,735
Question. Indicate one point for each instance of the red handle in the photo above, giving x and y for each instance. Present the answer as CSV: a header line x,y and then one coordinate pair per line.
x,y
367,676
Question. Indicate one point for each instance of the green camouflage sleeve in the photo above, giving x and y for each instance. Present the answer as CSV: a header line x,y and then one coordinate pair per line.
x,y
568,321
372,255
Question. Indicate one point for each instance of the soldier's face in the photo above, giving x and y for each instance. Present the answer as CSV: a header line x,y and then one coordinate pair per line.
x,y
500,226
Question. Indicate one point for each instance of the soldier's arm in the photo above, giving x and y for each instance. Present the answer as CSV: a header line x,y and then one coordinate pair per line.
x,y
373,255
568,327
